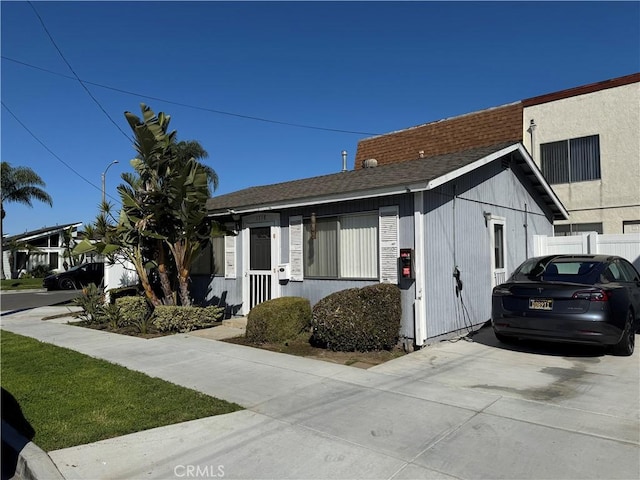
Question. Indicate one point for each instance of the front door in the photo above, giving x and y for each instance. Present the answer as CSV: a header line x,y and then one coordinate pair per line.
x,y
261,251
260,265
497,235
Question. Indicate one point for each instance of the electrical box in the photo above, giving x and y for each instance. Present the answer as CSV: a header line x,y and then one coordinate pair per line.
x,y
406,263
284,271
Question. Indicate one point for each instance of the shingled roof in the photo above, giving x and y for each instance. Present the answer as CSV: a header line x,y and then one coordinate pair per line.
x,y
413,175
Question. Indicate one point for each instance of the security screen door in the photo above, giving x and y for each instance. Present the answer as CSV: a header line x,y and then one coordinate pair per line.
x,y
260,270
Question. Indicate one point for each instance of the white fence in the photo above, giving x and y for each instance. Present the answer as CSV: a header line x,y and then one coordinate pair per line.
x,y
625,245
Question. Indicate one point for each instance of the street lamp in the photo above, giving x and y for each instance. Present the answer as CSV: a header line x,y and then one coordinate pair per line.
x,y
103,177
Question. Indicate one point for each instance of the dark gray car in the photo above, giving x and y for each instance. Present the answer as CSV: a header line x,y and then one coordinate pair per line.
x,y
76,277
588,299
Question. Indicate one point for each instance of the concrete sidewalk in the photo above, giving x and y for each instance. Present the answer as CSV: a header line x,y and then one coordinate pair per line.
x,y
451,410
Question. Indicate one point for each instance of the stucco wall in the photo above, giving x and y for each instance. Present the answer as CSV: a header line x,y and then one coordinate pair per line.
x,y
613,114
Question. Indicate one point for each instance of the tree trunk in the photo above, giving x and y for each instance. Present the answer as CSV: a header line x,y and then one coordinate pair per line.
x,y
165,283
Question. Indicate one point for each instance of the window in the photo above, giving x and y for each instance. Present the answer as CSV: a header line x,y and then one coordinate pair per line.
x,y
209,260
498,235
574,160
53,260
341,247
576,229
631,226
629,272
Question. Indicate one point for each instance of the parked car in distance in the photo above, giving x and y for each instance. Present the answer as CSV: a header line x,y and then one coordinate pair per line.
x,y
76,277
587,299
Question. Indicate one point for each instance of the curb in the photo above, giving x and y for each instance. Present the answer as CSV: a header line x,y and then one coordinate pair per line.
x,y
32,463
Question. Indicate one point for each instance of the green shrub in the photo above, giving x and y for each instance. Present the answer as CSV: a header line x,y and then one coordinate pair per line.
x,y
358,319
278,320
129,291
184,319
91,300
134,311
40,271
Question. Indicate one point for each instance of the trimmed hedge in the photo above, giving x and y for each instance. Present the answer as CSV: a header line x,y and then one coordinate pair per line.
x,y
278,320
184,319
134,310
358,319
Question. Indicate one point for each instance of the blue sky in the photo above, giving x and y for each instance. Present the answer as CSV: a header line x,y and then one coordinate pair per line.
x,y
348,69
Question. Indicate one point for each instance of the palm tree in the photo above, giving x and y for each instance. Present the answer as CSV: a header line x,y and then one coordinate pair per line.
x,y
19,185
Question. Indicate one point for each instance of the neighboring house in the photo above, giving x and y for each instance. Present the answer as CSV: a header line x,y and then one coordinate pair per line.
x,y
445,226
587,143
586,140
46,247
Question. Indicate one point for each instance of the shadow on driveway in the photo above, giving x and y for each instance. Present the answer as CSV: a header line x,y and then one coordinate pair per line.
x,y
486,337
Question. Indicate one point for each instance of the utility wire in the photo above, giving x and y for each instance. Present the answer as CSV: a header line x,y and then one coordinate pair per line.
x,y
195,107
51,151
75,74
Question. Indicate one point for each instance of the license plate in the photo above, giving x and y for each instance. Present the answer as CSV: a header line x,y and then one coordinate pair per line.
x,y
540,304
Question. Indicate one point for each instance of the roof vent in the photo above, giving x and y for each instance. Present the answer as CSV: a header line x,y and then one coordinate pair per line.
x,y
370,163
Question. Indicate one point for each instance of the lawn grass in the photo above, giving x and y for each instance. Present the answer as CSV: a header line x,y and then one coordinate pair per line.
x,y
72,399
21,283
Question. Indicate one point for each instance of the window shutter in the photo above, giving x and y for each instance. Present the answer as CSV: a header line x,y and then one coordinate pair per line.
x,y
295,248
389,244
230,256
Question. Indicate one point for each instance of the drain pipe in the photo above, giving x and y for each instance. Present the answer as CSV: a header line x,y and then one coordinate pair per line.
x,y
531,130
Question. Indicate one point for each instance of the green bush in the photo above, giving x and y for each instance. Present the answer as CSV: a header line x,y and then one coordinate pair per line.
x,y
358,319
91,300
120,292
184,319
278,320
134,311
40,271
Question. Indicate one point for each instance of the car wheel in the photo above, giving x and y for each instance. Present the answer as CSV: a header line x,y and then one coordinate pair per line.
x,y
625,346
504,338
67,284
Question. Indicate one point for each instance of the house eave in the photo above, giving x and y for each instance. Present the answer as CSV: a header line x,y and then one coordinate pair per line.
x,y
320,200
527,163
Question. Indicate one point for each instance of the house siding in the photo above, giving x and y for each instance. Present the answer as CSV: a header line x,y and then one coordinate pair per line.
x,y
456,235
315,289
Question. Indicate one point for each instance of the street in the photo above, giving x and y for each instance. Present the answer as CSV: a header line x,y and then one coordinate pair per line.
x,y
26,299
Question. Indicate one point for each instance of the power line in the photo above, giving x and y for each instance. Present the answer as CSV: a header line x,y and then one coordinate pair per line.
x,y
51,151
195,107
74,73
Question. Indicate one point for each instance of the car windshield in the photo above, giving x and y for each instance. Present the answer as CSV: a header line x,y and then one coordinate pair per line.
x,y
575,270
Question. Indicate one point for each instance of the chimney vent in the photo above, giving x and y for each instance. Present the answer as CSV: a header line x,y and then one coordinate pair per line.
x,y
370,163
344,160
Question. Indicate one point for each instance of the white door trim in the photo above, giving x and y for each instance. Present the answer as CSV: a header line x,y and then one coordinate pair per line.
x,y
498,273
271,220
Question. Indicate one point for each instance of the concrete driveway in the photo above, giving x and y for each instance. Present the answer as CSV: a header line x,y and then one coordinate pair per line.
x,y
464,409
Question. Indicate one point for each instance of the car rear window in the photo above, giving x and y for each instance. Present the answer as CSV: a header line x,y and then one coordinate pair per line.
x,y
562,270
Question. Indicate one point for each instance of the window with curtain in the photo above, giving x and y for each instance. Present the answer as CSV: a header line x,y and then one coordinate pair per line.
x,y
341,247
574,160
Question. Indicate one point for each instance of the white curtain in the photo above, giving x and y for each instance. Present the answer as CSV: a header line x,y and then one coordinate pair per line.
x,y
359,246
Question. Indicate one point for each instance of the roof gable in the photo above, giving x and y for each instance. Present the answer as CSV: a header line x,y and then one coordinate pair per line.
x,y
41,232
